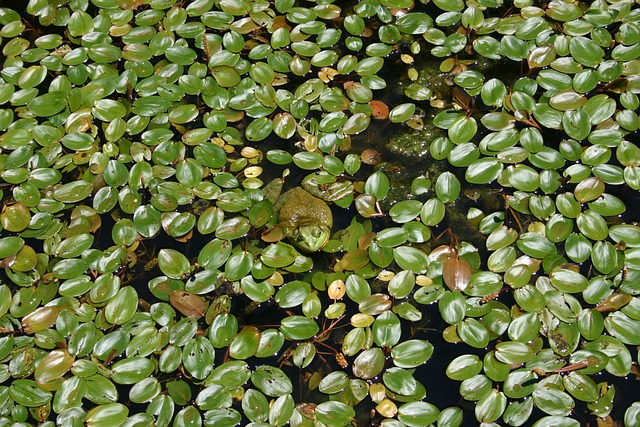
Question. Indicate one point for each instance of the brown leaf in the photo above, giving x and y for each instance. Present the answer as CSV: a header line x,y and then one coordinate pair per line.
x,y
353,260
191,305
273,235
366,239
614,302
379,110
337,289
456,273
370,157
462,98
40,319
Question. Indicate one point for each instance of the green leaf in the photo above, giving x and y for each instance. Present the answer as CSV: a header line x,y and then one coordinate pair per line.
x,y
415,414
121,308
581,386
368,363
48,104
632,414
53,366
517,413
513,352
483,171
462,129
411,258
145,390
567,280
245,344
281,410
386,329
188,417
623,327
255,405
259,129
356,124
308,160
292,294
334,382
224,328
627,233
523,178
473,333
400,381
585,51
447,187
592,225
212,397
605,257
73,192
377,185
284,125
271,381
576,123
226,76
107,415
535,245
150,106
432,212
335,414
238,265
514,48
256,291
198,357
131,370
491,407
556,421
452,307
357,288
391,237
411,353
553,401
173,264
450,6
402,112
298,327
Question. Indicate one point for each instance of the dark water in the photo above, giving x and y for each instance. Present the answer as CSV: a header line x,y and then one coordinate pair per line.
x,y
441,391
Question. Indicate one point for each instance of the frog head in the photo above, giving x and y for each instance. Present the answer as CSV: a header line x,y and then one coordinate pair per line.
x,y
310,238
305,219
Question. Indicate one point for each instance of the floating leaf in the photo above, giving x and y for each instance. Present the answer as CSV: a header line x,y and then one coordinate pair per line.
x,y
271,381
368,363
121,308
298,327
462,130
386,329
491,407
107,414
447,187
402,112
585,51
48,104
456,273
198,356
553,401
335,413
131,370
173,264
417,414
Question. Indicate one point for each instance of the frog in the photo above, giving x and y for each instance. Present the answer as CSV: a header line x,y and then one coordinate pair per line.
x,y
305,219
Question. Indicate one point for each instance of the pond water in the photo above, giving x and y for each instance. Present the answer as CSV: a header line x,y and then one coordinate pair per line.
x,y
479,159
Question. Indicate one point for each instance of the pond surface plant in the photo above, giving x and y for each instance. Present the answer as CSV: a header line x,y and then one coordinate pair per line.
x,y
462,247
